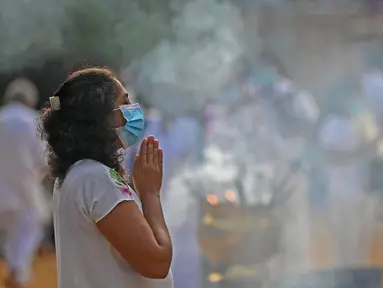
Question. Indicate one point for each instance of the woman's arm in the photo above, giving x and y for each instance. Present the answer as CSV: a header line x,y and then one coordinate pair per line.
x,y
141,239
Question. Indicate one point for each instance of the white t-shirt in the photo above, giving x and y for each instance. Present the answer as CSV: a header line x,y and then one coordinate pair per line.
x,y
85,258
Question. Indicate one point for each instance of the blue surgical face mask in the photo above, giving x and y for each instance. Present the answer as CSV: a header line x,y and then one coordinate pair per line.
x,y
133,130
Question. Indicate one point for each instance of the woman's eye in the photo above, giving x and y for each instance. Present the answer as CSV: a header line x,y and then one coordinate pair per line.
x,y
127,100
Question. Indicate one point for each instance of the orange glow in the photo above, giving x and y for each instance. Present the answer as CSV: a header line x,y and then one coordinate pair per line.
x,y
230,195
215,277
207,220
212,199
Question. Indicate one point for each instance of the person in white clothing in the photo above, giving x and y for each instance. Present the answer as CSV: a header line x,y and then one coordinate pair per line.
x,y
373,92
23,209
179,139
342,149
107,234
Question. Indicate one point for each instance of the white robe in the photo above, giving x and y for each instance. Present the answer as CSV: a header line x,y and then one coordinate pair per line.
x,y
23,207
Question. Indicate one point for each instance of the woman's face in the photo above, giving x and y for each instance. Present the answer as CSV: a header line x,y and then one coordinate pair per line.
x,y
122,99
118,119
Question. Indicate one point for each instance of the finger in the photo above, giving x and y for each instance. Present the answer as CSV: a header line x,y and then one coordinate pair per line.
x,y
136,163
150,154
136,160
144,150
155,153
160,159
135,168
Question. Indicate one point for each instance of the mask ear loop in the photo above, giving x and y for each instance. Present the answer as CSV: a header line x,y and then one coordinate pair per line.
x,y
118,118
123,144
55,102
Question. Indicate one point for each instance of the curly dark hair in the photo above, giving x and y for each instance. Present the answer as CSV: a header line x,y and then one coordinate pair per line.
x,y
81,128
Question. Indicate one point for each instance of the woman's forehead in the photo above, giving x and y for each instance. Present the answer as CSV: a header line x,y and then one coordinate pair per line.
x,y
121,87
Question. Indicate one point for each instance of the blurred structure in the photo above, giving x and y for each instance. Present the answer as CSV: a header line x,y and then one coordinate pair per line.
x,y
247,181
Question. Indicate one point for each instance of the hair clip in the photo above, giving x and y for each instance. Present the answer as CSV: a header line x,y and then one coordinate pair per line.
x,y
55,102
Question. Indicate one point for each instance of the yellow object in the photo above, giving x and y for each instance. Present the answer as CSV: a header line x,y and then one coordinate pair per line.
x,y
215,277
55,102
208,220
366,128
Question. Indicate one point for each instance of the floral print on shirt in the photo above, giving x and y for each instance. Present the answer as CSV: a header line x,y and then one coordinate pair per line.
x,y
121,182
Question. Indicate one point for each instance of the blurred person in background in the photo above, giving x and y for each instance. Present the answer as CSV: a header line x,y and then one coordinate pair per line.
x,y
344,137
372,84
23,208
107,234
178,136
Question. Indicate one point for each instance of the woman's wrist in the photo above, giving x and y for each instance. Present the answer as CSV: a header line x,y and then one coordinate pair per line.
x,y
148,195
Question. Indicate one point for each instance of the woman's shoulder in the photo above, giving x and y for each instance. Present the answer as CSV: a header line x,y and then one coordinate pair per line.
x,y
92,169
85,169
79,176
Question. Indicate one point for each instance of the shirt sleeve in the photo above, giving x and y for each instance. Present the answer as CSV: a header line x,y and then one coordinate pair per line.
x,y
101,192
